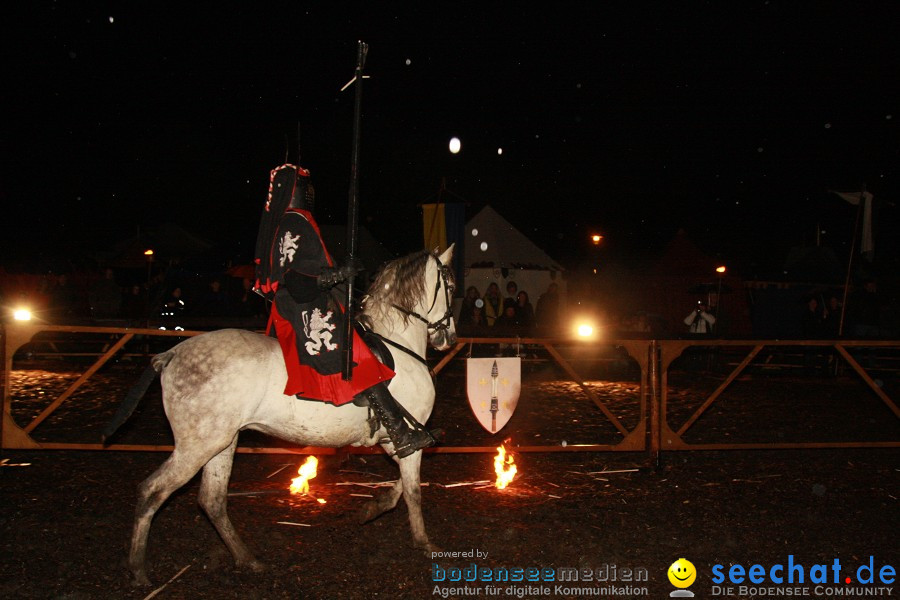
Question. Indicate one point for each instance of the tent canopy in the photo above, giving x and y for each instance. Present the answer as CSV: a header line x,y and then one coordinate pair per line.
x,y
491,242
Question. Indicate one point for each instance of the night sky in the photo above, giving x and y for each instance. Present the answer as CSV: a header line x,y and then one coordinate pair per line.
x,y
730,120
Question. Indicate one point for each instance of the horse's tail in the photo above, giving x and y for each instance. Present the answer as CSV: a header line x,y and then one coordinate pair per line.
x,y
134,395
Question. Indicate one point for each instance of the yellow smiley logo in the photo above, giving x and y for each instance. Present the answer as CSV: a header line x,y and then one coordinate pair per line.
x,y
682,573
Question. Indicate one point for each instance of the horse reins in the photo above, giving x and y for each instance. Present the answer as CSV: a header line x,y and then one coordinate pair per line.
x,y
444,322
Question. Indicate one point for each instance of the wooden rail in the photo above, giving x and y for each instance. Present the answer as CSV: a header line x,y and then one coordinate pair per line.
x,y
672,438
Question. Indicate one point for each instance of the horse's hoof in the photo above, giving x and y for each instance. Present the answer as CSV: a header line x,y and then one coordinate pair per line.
x,y
367,513
428,548
371,511
253,565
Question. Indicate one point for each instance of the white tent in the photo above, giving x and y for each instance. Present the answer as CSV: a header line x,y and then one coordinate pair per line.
x,y
495,251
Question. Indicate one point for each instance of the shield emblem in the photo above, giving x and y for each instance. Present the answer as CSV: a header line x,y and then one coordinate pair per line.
x,y
493,386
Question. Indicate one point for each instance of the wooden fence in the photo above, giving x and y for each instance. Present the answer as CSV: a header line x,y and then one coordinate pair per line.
x,y
653,432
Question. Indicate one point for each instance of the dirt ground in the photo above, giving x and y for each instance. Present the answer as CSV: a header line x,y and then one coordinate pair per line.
x,y
65,516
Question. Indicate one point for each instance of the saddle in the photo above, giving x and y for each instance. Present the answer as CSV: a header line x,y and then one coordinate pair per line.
x,y
376,345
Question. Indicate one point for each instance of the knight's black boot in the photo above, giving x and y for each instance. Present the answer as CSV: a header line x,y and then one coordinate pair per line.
x,y
407,434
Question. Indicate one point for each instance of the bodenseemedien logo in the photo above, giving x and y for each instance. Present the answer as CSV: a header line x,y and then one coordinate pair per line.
x,y
682,574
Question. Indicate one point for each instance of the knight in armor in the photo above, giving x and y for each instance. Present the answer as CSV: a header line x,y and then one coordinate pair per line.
x,y
296,272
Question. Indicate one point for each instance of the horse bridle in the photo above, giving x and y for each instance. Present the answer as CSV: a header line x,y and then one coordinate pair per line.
x,y
444,322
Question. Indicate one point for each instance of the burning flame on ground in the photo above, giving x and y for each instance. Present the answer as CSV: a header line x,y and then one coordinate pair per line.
x,y
505,467
307,471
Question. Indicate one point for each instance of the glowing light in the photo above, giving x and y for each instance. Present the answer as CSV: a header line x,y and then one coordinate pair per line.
x,y
720,269
504,467
148,252
307,471
455,145
22,314
474,233
596,239
499,151
483,246
585,327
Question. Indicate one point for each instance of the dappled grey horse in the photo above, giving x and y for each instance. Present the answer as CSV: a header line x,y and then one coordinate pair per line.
x,y
219,383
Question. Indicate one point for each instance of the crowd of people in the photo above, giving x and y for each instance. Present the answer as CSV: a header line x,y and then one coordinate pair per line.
x,y
869,315
494,315
104,295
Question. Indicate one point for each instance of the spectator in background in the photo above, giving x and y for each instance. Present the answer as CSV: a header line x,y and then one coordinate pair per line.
x,y
512,292
469,304
812,321
506,326
174,304
832,318
215,302
700,321
493,305
134,303
524,314
478,327
700,325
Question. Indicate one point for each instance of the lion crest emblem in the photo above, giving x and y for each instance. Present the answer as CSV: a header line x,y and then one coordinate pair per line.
x,y
318,328
288,247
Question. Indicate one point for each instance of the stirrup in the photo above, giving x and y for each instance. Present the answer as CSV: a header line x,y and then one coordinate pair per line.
x,y
417,439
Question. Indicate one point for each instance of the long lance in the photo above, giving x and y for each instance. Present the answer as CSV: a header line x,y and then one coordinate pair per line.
x,y
353,211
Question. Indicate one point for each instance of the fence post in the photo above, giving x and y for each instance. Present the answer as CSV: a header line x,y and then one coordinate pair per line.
x,y
653,368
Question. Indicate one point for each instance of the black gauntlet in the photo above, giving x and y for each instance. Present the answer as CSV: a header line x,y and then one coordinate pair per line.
x,y
331,276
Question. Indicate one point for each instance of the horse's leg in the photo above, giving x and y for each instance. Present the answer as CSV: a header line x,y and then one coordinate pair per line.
x,y
384,502
213,497
412,493
153,491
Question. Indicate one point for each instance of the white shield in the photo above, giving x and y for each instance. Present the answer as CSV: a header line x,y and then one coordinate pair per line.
x,y
493,386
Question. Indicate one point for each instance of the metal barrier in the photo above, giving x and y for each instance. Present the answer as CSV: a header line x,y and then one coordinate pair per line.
x,y
652,432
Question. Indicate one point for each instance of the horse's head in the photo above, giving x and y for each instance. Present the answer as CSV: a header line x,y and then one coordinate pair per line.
x,y
439,277
420,288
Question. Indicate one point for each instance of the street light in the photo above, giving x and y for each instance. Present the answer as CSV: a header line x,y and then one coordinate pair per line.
x,y
149,254
596,239
720,271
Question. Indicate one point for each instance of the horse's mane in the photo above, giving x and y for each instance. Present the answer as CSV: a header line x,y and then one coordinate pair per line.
x,y
400,284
